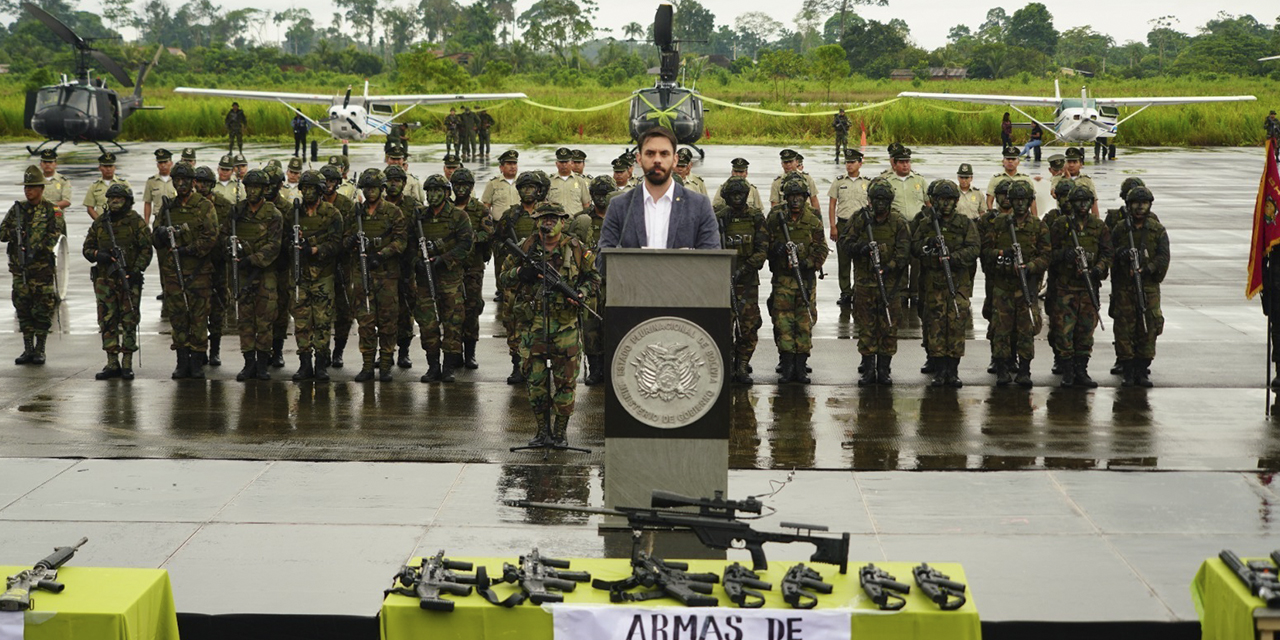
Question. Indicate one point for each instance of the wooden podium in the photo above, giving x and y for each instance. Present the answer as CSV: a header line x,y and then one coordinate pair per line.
x,y
668,339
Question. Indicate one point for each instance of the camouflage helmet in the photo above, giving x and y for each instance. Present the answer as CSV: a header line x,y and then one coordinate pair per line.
x,y
1062,189
463,176
880,190
330,172
736,184
548,209
1020,190
527,178
435,181
275,173
928,192
1140,194
205,174
1002,186
602,185
311,178
395,172
256,177
795,186
544,183
1080,192
1128,185
371,178
946,189
118,190
182,170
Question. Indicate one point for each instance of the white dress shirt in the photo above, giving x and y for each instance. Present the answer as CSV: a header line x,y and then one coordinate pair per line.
x,y
657,216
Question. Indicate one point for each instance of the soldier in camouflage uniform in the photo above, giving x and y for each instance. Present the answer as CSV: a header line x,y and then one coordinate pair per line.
x,y
550,341
284,294
1113,218
946,314
1015,321
515,225
1140,233
467,133
1072,303
586,228
218,309
385,235
320,230
877,230
985,224
742,229
1060,193
440,239
186,232
32,229
254,230
119,244
396,194
464,183
344,311
793,311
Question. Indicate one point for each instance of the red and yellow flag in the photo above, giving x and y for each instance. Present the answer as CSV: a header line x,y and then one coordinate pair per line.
x,y
1266,229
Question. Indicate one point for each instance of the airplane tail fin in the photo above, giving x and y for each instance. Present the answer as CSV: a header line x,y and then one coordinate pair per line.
x,y
1057,92
366,91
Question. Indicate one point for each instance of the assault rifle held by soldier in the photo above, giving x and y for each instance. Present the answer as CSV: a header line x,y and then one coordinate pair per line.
x,y
43,576
717,526
1082,263
234,245
876,268
1261,581
793,261
944,256
1135,265
117,258
939,587
671,579
882,588
427,267
551,278
740,584
172,232
19,240
297,247
537,576
435,576
1020,267
362,245
798,583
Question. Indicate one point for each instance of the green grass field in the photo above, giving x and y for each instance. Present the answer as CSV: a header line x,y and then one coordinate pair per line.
x,y
910,121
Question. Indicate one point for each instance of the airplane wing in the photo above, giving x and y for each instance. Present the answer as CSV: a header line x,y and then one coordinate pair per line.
x,y
440,98
273,96
1268,58
979,98
1143,102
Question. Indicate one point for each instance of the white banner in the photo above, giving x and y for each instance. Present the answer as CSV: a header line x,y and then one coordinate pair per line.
x,y
605,622
11,625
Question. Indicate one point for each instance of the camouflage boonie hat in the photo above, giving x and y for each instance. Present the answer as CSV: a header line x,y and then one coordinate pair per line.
x,y
965,170
395,151
739,164
563,154
227,162
32,177
295,164
107,159
49,155
578,155
452,161
548,209
189,154
621,164
163,155
1075,153
510,155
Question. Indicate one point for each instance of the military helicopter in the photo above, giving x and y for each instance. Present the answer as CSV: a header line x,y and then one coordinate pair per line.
x,y
667,104
82,109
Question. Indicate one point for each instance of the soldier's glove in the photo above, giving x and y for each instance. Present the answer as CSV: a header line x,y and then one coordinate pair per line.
x,y
375,260
351,242
186,251
102,257
861,249
162,238
303,245
778,251
528,274
136,279
421,268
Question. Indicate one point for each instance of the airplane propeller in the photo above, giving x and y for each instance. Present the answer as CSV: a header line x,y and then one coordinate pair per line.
x,y
346,100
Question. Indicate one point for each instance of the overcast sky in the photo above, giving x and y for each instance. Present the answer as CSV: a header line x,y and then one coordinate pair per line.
x,y
930,20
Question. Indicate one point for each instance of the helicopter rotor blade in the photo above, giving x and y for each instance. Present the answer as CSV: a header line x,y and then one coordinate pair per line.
x,y
662,26
112,67
146,67
55,25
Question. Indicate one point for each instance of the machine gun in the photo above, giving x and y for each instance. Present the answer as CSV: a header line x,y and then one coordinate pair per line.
x,y
166,205
739,585
117,256
1082,263
435,576
18,239
234,245
1020,267
944,256
362,244
717,526
877,269
939,587
882,588
797,583
1135,264
297,246
537,575
43,576
793,261
1260,580
671,579
424,249
551,278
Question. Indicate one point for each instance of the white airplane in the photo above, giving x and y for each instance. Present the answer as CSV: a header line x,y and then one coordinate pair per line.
x,y
1075,120
353,119
1268,58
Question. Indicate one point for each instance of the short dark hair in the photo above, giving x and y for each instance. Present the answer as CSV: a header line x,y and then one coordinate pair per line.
x,y
658,132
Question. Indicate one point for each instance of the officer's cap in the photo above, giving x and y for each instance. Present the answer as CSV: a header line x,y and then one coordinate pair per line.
x,y
739,164
1011,152
787,155
1075,153
621,164
510,155
227,162
49,155
395,151
965,170
563,154
241,161
852,155
295,164
189,154
899,152
32,177
579,155
163,155
1056,160
452,161
107,159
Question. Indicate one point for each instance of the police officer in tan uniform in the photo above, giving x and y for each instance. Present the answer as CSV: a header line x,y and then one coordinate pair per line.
x,y
972,203
847,195
500,192
95,199
57,189
566,189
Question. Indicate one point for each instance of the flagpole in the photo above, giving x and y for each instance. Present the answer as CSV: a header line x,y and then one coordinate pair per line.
x,y
1267,410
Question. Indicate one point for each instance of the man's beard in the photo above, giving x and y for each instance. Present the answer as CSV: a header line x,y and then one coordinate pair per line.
x,y
657,176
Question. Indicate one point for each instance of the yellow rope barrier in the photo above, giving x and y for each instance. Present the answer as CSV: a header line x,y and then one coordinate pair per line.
x,y
792,114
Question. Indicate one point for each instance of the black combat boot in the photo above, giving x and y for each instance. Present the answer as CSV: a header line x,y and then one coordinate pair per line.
x,y
402,359
1117,369
1142,373
939,372
215,350
1024,373
28,350
1004,371
953,373
38,356
595,372
543,437
277,353
339,344
433,368
265,362
250,366
1082,373
1057,365
384,368
1127,372
305,369
517,376
112,370
126,366
868,371
802,368
741,376
931,365
560,432
322,361
183,370
786,368
452,361
469,354
993,366
366,370
1068,373
883,364
196,365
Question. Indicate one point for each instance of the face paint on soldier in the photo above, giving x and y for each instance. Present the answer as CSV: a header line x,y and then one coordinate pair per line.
x,y
945,206
737,200
1021,206
436,196
1002,201
881,207
395,187
116,205
1139,211
600,200
372,194
330,187
1082,207
254,193
183,186
551,227
310,194
795,202
204,188
529,194
462,193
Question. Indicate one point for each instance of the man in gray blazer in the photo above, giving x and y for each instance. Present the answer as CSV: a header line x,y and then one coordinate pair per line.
x,y
637,218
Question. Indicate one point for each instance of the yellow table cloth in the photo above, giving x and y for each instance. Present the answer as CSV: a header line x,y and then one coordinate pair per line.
x,y
102,604
1223,603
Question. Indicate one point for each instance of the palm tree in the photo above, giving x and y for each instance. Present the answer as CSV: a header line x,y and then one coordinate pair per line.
x,y
633,30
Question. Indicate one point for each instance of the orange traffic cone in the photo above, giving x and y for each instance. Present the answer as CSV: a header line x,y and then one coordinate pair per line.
x,y
863,143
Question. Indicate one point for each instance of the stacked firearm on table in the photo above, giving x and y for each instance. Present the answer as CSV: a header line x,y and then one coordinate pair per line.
x,y
1262,578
